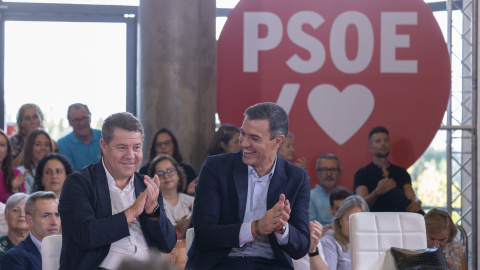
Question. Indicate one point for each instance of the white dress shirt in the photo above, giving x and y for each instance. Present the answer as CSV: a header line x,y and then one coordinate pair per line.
x,y
130,246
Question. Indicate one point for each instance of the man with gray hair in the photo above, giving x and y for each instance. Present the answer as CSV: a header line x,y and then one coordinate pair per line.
x,y
328,171
251,207
111,212
82,145
41,214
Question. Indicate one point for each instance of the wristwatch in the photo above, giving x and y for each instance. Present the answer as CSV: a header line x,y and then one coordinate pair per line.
x,y
154,214
314,253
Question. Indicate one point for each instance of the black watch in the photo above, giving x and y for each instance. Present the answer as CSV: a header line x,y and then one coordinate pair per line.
x,y
154,214
314,253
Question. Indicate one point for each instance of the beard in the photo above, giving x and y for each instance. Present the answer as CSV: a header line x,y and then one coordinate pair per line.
x,y
381,155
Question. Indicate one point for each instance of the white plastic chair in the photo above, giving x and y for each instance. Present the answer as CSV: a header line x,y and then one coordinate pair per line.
x,y
373,234
189,239
51,248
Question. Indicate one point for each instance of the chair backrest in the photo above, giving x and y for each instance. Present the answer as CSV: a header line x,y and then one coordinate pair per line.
x,y
373,234
189,238
51,248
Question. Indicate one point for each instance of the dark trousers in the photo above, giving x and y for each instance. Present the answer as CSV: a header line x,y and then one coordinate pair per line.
x,y
249,263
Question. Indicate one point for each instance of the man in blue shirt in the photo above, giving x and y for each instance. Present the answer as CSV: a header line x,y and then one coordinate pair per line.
x,y
328,171
82,146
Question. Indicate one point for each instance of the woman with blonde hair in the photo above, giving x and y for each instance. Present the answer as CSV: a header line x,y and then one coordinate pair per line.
x,y
336,244
29,118
441,233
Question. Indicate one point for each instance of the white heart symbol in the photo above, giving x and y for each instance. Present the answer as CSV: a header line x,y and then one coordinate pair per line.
x,y
340,114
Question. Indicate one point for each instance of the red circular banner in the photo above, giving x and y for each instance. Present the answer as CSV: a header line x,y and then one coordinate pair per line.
x,y
339,68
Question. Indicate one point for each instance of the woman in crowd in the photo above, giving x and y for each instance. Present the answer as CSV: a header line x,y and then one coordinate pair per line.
x,y
18,228
287,150
13,180
52,170
225,140
335,244
178,206
29,117
37,145
441,233
165,143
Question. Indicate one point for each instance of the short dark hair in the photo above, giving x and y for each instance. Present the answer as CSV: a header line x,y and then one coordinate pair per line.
x,y
224,134
41,166
122,120
274,113
328,156
375,130
176,150
182,182
77,106
339,193
32,199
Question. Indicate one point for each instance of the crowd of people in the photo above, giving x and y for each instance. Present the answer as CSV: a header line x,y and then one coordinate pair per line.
x,y
249,208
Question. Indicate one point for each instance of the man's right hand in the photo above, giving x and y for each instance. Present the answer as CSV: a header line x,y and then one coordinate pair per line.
x,y
137,207
385,185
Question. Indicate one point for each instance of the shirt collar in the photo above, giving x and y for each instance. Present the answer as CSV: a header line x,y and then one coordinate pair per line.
x,y
378,166
37,242
111,181
252,171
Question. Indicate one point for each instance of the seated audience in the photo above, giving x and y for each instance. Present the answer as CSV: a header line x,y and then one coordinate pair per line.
x,y
441,233
335,244
287,150
178,206
52,170
29,118
82,146
43,219
37,145
328,170
164,142
384,186
337,196
225,140
18,228
13,180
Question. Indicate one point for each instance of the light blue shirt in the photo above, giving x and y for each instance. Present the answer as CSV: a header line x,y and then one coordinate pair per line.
x,y
319,206
255,209
78,153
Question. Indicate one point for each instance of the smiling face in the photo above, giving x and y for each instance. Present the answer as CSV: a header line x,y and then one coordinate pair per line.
x,y
30,120
46,219
167,182
41,147
79,119
380,145
123,155
438,239
164,144
16,217
287,149
259,150
54,176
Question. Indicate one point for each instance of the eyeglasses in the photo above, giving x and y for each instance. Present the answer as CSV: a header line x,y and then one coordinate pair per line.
x,y
168,172
50,171
78,120
166,143
325,170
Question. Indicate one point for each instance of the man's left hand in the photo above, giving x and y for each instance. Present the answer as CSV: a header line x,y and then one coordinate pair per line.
x,y
153,189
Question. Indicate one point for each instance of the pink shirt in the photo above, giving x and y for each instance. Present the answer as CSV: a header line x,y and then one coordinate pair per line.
x,y
4,194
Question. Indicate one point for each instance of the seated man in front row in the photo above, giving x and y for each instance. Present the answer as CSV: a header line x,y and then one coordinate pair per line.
x,y
110,212
41,214
251,207
384,186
